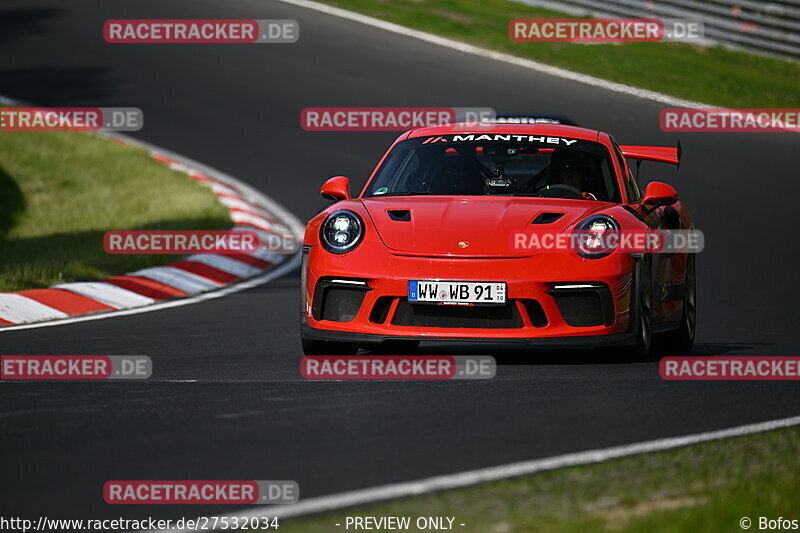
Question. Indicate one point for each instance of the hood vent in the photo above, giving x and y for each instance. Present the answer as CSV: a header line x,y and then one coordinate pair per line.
x,y
547,218
400,215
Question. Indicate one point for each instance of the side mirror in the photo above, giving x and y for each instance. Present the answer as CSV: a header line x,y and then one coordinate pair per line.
x,y
337,188
658,194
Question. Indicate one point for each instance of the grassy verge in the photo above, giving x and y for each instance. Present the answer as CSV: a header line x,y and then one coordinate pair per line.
x,y
710,75
705,487
60,192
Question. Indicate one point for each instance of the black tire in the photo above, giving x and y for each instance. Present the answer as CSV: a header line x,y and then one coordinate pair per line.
x,y
395,347
642,349
682,339
316,347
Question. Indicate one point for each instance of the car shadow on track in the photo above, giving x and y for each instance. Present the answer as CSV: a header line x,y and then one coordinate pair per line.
x,y
511,354
519,354
703,349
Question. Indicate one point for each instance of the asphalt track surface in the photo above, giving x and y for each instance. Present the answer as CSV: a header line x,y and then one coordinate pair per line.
x,y
249,415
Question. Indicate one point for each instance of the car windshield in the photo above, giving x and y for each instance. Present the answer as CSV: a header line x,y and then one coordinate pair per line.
x,y
500,165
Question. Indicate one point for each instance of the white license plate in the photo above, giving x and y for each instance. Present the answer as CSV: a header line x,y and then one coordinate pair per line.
x,y
457,292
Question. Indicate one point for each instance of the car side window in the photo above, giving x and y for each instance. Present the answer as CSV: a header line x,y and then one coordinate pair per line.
x,y
408,175
401,168
609,183
630,183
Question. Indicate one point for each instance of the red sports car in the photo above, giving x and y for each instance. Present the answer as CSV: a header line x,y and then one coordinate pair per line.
x,y
431,248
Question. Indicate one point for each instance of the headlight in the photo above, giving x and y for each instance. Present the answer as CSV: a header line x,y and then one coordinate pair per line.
x,y
341,231
596,237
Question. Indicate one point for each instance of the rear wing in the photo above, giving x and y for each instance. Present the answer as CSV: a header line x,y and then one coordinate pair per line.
x,y
661,154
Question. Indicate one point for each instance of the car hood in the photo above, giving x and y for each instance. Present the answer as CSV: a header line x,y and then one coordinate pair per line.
x,y
471,226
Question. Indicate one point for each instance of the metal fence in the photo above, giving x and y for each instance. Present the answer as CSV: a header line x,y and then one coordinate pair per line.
x,y
766,27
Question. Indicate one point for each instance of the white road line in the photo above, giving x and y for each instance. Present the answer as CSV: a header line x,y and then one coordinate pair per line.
x,y
497,56
226,264
469,478
184,280
19,309
107,293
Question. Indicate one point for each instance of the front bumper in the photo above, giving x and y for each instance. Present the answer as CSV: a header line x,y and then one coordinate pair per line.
x,y
583,341
371,286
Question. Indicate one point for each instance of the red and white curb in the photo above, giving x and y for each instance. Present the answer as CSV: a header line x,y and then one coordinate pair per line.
x,y
191,279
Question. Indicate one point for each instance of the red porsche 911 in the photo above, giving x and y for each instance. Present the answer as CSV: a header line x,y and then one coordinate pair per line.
x,y
430,250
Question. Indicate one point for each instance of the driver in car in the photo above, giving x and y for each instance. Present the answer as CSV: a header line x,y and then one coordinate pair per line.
x,y
570,169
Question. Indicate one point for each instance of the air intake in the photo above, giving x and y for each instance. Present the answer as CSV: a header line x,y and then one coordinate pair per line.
x,y
400,215
547,218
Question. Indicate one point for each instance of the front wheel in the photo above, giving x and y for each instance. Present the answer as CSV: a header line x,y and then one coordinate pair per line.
x,y
682,339
316,347
640,351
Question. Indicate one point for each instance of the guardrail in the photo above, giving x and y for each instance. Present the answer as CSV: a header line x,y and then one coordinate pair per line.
x,y
765,27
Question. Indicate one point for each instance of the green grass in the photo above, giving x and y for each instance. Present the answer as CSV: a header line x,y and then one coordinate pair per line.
x,y
710,75
60,192
706,487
